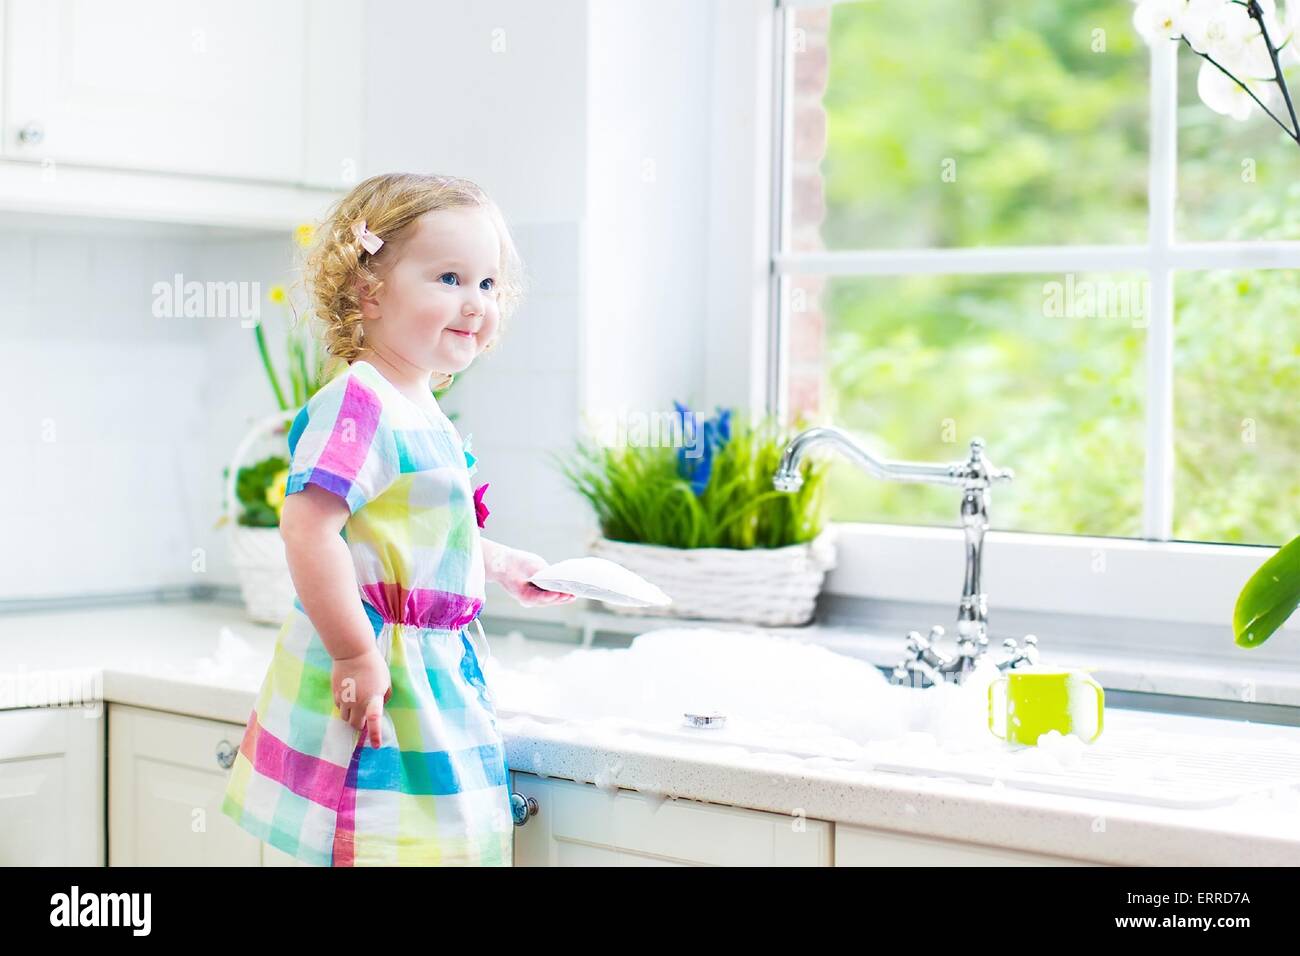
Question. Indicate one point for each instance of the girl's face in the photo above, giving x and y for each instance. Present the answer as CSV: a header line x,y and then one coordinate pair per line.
x,y
437,308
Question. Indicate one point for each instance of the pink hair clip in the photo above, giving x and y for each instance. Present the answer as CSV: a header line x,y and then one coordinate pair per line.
x,y
369,240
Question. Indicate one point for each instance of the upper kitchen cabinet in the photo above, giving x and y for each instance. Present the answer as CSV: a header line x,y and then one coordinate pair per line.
x,y
239,112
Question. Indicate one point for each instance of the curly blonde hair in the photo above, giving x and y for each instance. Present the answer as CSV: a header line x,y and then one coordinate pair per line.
x,y
389,205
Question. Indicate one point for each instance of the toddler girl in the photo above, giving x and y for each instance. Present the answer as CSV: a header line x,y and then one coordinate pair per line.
x,y
373,740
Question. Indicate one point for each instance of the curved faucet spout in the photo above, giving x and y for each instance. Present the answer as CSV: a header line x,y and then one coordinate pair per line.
x,y
788,477
974,475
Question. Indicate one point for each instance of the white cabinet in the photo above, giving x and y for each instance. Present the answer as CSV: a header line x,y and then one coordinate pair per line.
x,y
166,780
864,846
52,786
578,824
240,112
241,88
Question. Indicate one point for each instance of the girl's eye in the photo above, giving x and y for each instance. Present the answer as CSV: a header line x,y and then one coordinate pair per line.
x,y
454,280
487,285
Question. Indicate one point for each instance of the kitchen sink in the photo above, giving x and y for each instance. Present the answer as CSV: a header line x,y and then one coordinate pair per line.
x,y
807,703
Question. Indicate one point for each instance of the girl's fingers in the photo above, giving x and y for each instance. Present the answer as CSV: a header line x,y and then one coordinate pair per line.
x,y
533,596
373,710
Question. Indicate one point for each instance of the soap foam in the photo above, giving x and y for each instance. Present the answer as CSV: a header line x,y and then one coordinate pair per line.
x,y
769,687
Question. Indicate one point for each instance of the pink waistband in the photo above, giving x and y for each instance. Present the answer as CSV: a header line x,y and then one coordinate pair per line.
x,y
420,607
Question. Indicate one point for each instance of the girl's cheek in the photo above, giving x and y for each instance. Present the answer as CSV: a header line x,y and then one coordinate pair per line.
x,y
437,301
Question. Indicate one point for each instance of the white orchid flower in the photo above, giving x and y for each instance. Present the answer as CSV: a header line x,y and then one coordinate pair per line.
x,y
1160,19
1224,95
1226,33
1238,74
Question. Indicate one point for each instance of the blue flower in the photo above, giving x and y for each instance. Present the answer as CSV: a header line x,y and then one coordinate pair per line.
x,y
695,460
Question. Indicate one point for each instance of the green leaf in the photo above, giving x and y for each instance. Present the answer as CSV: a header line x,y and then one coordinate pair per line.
x,y
637,494
269,366
1270,597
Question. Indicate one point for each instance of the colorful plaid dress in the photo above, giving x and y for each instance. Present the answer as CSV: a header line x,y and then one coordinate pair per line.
x,y
436,792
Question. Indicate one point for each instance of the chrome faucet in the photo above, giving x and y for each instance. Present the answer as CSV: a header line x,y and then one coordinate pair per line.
x,y
925,664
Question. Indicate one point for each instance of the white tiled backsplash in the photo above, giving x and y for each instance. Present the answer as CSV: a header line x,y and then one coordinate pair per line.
x,y
119,423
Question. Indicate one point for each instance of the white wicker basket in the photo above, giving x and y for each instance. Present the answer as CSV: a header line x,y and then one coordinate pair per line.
x,y
772,586
258,553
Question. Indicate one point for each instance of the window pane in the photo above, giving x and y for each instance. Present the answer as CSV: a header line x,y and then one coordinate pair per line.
x,y
1237,406
951,123
1236,178
1047,369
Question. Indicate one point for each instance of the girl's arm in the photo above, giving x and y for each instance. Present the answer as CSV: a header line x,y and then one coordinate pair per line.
x,y
326,581
511,568
322,570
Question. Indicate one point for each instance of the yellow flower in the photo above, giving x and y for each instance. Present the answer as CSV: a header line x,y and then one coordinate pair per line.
x,y
304,234
277,293
275,491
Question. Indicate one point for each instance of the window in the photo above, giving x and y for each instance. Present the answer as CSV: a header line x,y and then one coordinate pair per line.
x,y
979,234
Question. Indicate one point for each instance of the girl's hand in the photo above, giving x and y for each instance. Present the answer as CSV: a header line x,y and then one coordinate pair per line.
x,y
511,568
362,685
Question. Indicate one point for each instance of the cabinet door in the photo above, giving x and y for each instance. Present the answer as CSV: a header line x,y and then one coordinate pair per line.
x,y
166,780
52,786
864,846
172,85
578,824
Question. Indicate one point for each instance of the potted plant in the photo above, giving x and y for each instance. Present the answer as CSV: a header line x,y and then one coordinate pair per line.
x,y
703,521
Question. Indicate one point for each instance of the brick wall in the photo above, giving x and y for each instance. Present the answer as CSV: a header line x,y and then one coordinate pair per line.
x,y
807,325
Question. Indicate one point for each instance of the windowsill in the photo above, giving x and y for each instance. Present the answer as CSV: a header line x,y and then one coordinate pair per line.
x,y
1161,582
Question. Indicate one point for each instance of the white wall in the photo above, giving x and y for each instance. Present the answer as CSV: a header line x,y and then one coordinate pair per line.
x,y
120,421
486,89
590,123
648,163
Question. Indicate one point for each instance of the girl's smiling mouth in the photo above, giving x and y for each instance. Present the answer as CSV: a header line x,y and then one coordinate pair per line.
x,y
469,335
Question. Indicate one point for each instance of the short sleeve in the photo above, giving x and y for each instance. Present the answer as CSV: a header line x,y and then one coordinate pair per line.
x,y
343,441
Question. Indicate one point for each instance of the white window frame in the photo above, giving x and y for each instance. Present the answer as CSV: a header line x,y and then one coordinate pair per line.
x,y
1152,577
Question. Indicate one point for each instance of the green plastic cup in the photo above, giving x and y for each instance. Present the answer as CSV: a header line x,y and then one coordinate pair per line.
x,y
1039,701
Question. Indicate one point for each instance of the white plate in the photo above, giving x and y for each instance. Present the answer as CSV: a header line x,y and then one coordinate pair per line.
x,y
600,580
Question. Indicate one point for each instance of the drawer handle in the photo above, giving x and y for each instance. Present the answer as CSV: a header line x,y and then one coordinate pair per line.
x,y
522,808
226,754
31,135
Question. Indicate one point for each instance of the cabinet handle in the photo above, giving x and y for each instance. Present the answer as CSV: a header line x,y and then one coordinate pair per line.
x,y
226,754
522,808
31,135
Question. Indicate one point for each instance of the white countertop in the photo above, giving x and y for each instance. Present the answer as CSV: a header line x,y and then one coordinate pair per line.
x,y
173,657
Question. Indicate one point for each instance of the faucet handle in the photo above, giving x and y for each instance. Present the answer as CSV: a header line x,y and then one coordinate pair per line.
x,y
923,660
1015,655
1001,474
979,468
1031,648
